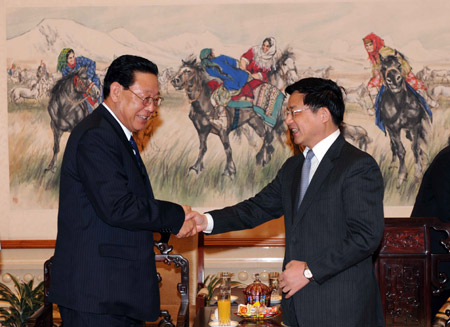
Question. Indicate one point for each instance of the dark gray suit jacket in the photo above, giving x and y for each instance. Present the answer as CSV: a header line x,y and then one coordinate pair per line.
x,y
433,198
104,260
336,230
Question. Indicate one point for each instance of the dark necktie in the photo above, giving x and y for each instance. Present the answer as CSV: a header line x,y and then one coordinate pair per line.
x,y
304,182
141,165
136,153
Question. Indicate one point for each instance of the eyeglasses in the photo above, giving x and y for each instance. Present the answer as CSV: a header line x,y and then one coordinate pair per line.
x,y
146,101
294,112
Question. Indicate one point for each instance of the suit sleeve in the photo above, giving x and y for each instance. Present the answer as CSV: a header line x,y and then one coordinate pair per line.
x,y
362,195
113,189
264,206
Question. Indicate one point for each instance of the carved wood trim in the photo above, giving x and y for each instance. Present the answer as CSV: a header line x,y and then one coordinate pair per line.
x,y
28,244
404,240
223,241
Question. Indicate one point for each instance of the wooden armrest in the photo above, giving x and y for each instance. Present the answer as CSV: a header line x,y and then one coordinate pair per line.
x,y
200,301
183,315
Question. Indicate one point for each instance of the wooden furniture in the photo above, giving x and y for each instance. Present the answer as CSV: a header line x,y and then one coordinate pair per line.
x,y
407,270
44,316
179,305
170,293
165,257
405,266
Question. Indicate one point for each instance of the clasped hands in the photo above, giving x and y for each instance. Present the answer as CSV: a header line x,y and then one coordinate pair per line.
x,y
291,279
194,222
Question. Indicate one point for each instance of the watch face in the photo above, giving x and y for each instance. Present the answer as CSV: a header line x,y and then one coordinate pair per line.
x,y
307,273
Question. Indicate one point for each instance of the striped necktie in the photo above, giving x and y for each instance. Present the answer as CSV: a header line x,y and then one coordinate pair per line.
x,y
304,182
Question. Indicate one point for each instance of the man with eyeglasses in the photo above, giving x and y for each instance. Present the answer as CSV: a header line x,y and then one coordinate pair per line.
x,y
331,197
103,271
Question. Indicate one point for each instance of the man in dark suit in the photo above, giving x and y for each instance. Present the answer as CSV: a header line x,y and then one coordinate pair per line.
x,y
433,200
103,270
331,234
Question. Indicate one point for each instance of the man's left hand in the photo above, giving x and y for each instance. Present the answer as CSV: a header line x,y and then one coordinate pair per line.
x,y
292,279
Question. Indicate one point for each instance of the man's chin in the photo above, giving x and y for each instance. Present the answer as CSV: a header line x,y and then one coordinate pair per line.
x,y
140,126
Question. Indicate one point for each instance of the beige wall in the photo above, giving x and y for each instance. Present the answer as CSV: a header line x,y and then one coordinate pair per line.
x,y
41,224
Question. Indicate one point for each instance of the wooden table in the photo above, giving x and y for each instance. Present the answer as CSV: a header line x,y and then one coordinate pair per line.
x,y
204,314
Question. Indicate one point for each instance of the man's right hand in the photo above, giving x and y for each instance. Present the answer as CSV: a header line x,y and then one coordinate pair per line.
x,y
187,230
200,220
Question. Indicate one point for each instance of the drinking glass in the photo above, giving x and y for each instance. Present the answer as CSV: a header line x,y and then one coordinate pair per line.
x,y
224,307
224,299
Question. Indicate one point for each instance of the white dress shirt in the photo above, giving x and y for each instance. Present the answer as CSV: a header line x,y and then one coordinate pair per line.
x,y
320,149
125,130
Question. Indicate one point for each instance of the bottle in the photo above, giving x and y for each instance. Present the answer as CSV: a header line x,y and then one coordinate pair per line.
x,y
275,296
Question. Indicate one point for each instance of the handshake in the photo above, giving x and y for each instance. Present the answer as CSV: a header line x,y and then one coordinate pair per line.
x,y
194,222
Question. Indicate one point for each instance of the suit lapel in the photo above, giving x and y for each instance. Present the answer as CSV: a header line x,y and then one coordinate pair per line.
x,y
121,135
296,183
322,172
116,128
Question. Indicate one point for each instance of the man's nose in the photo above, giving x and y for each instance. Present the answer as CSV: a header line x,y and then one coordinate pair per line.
x,y
288,118
151,108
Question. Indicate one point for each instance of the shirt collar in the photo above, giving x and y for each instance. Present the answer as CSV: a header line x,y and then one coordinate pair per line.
x,y
321,148
125,130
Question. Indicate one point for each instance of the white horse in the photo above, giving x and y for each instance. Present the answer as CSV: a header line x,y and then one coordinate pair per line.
x,y
18,93
440,90
440,75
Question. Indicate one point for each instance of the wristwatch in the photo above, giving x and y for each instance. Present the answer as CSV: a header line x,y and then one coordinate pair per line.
x,y
307,272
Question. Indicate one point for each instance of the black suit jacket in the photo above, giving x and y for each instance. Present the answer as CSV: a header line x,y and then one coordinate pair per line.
x,y
104,260
433,198
337,228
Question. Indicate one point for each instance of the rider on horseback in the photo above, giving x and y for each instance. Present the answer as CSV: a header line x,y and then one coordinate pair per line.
x,y
375,48
226,69
68,63
259,60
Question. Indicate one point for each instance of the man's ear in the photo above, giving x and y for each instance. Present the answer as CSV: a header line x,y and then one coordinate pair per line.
x,y
115,90
325,114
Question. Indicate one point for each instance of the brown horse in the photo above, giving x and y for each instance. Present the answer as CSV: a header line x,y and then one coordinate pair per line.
x,y
192,78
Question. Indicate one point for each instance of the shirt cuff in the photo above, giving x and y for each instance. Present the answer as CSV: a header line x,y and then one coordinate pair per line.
x,y
210,226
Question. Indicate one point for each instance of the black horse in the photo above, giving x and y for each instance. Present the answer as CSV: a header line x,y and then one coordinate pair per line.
x,y
192,78
401,108
67,105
